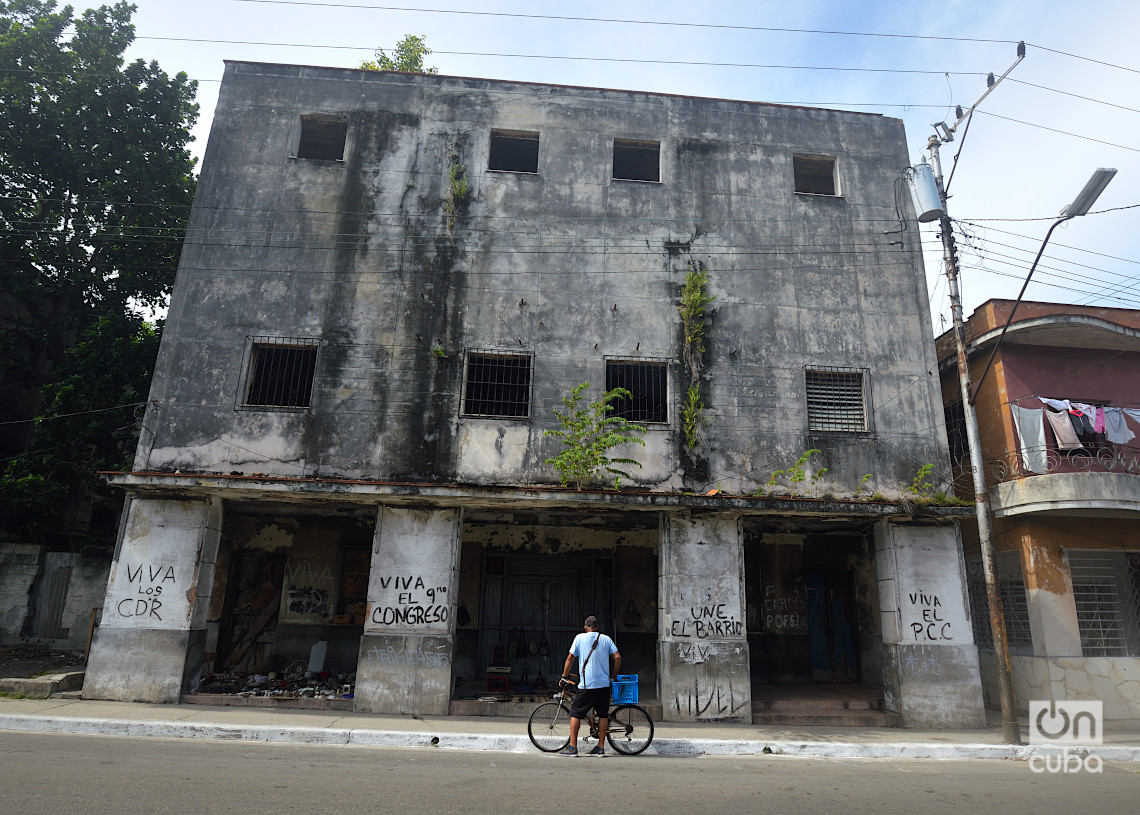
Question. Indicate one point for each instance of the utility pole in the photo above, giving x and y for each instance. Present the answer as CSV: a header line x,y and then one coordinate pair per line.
x,y
1011,728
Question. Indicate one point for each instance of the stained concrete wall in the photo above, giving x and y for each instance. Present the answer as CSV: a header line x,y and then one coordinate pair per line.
x,y
150,643
930,662
566,264
703,663
19,565
409,633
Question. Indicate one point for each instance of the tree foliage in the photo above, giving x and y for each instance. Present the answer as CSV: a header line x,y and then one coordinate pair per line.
x,y
89,424
589,433
408,55
95,191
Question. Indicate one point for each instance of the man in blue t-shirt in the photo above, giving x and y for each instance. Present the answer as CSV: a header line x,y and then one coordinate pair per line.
x,y
593,651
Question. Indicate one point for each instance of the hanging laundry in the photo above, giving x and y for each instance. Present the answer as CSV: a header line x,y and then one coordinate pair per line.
x,y
1084,410
1098,424
1082,422
1063,430
1056,404
1031,432
1116,430
1133,414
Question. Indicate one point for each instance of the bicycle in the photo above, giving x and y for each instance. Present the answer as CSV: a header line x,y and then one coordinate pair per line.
x,y
630,731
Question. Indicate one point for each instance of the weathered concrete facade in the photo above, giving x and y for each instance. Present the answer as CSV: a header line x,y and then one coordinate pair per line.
x,y
383,240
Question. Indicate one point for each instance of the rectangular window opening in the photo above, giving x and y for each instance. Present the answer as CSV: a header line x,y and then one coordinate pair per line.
x,y
815,174
497,385
323,137
281,371
836,401
648,382
513,151
637,160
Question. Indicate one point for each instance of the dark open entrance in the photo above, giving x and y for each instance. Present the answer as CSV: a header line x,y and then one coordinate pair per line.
x,y
287,605
809,607
527,580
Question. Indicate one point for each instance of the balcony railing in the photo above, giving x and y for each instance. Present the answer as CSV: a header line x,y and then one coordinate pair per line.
x,y
1112,458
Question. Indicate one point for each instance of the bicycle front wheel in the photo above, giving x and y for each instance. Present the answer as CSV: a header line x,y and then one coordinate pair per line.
x,y
549,727
631,729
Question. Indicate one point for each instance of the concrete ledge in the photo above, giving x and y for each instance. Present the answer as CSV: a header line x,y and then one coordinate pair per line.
x,y
43,686
519,743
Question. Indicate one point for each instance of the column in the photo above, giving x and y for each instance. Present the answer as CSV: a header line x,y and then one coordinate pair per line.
x,y
703,662
409,633
150,643
930,662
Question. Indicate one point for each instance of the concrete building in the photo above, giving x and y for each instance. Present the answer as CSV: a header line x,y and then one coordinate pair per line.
x,y
390,282
1065,502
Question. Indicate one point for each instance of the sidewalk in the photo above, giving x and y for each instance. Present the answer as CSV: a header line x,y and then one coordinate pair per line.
x,y
71,715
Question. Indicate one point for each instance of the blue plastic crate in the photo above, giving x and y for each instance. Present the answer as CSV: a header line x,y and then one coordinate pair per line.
x,y
624,689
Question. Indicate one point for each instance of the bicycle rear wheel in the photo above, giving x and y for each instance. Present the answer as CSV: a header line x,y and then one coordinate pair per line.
x,y
549,727
631,729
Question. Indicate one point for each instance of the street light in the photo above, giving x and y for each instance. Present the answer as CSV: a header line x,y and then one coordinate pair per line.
x,y
1080,206
1011,731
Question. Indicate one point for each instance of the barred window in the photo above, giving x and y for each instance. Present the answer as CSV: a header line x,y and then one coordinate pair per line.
x,y
281,372
497,385
637,160
1105,594
323,137
648,382
836,400
1011,587
513,151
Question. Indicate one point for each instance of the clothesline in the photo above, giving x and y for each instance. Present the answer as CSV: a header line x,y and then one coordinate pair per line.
x,y
1070,422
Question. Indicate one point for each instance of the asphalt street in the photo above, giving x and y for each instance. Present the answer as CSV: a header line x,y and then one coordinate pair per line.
x,y
78,775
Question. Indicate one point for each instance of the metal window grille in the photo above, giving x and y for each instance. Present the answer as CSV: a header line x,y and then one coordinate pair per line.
x,y
648,382
281,372
836,400
1100,610
1011,587
497,385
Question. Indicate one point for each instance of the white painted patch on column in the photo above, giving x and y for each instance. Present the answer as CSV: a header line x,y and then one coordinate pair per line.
x,y
152,583
411,585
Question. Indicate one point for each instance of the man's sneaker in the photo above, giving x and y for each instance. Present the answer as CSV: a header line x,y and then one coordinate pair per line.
x,y
597,751
568,751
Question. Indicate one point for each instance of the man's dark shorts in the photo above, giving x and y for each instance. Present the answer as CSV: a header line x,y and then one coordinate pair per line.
x,y
596,698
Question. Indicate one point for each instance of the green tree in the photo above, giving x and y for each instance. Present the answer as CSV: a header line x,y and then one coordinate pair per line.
x,y
408,55
89,424
588,433
95,191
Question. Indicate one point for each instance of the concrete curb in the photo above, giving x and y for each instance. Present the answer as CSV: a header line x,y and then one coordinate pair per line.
x,y
41,687
519,743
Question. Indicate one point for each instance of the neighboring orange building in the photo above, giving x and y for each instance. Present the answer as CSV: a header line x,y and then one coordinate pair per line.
x,y
1066,507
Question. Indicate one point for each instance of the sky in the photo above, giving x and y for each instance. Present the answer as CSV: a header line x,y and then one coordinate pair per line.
x,y
1071,106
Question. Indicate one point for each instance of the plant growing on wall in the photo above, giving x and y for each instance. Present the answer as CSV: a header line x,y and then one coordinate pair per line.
x,y
796,474
588,432
457,192
693,308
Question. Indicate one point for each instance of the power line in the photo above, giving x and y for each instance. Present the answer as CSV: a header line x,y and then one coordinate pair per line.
x,y
1062,132
568,18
